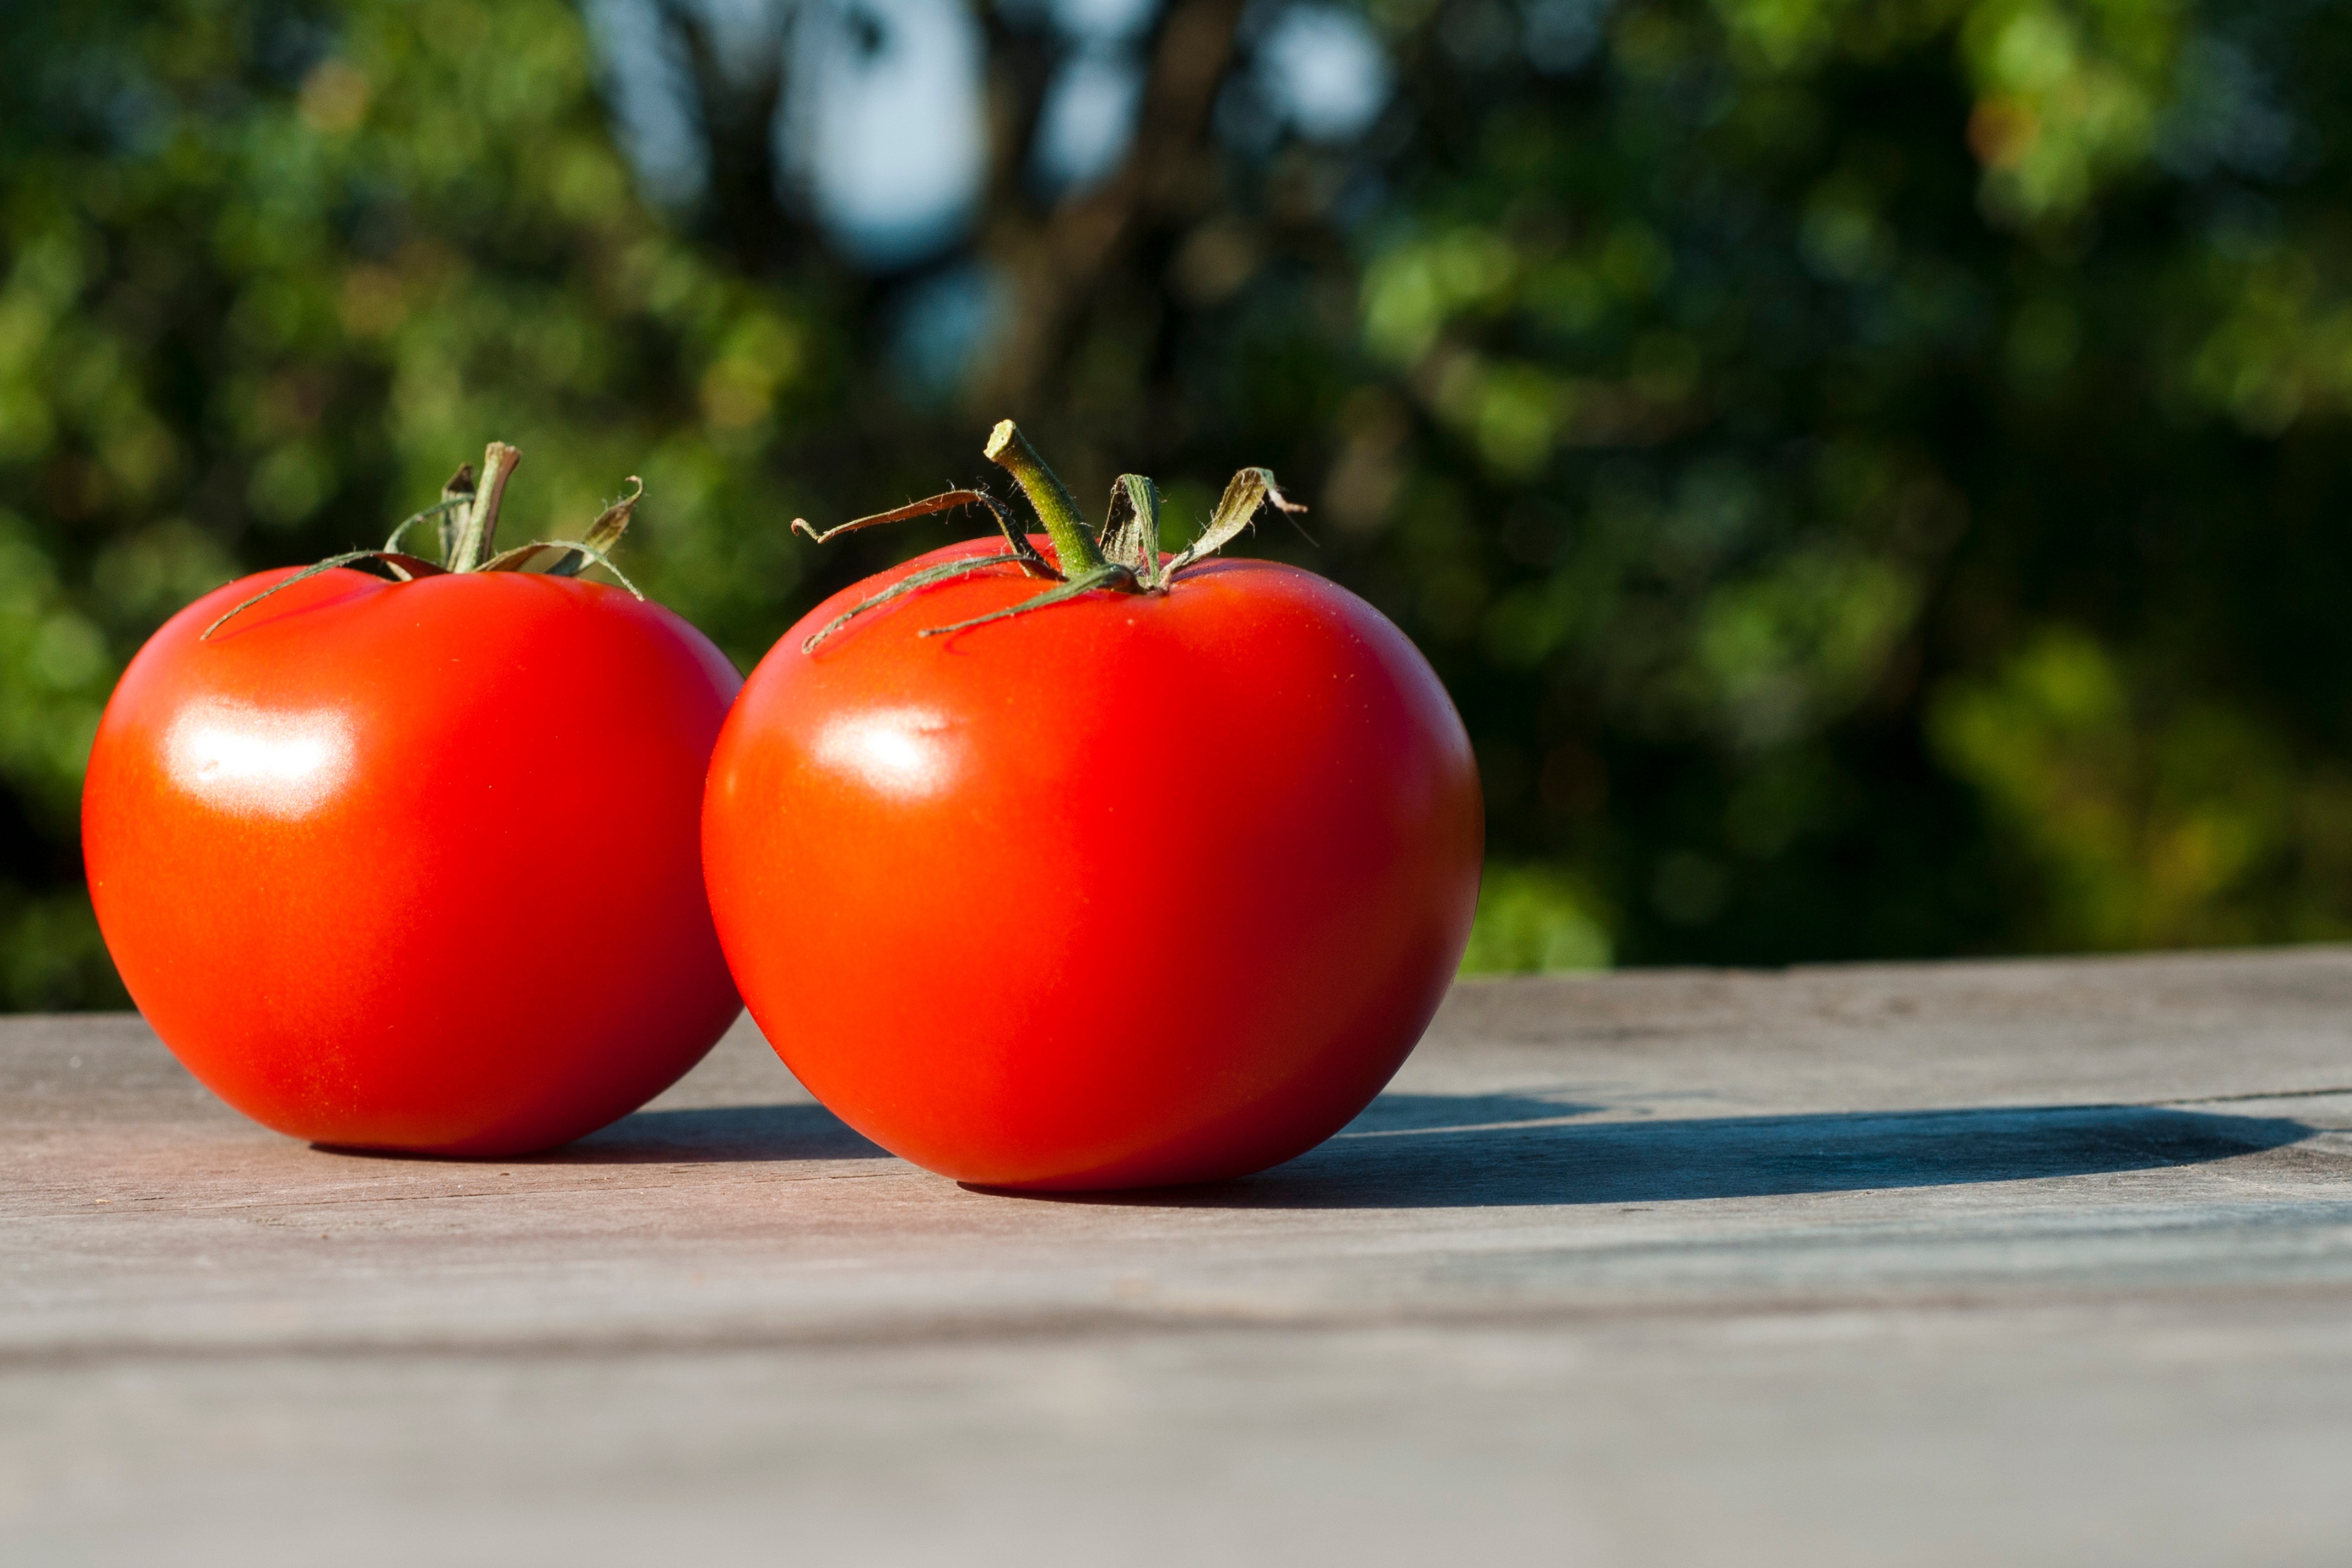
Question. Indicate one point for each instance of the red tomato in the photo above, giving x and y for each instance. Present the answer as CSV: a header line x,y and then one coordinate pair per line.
x,y
412,865
1129,891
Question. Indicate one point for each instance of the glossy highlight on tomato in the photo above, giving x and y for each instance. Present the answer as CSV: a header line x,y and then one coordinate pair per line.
x,y
1131,890
413,865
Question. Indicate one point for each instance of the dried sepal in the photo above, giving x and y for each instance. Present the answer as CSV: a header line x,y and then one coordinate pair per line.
x,y
907,585
603,535
468,515
440,508
946,500
1244,494
1108,576
1131,528
578,555
457,496
1122,555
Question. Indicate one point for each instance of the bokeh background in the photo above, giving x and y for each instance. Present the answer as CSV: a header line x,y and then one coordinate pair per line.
x,y
1873,473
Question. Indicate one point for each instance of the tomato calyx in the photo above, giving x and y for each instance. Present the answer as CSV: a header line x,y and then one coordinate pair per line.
x,y
1121,555
467,513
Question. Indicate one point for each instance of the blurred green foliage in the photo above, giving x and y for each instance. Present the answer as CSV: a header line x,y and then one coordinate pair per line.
x,y
1867,471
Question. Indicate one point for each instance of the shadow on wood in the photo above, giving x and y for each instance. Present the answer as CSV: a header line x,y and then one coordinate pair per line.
x,y
742,1133
1442,1151
806,1131
1503,1151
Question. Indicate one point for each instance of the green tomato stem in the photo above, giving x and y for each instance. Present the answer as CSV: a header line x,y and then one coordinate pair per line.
x,y
469,516
479,531
1074,548
1124,557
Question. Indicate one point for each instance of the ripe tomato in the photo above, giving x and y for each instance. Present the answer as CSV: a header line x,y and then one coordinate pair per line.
x,y
412,865
1135,889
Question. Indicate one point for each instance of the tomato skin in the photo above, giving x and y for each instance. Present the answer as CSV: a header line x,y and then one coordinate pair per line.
x,y
1129,891
413,865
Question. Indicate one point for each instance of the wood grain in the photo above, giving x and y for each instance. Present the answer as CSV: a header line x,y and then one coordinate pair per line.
x,y
2033,1262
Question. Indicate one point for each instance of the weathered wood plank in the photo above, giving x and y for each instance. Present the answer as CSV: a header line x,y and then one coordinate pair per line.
x,y
2047,1261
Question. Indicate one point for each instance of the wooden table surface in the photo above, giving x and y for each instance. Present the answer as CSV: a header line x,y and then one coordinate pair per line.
x,y
2014,1263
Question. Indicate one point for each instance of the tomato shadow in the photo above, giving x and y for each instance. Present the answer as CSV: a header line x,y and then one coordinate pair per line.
x,y
1396,1112
717,1133
708,1135
1473,1151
